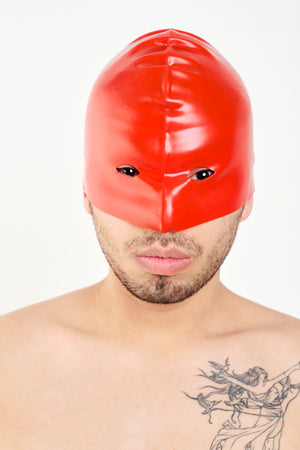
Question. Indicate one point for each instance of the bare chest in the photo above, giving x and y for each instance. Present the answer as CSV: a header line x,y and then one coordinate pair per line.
x,y
117,404
112,409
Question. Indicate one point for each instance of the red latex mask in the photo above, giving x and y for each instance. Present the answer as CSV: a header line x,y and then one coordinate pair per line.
x,y
168,136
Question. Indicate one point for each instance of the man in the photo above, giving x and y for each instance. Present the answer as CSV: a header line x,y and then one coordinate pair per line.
x,y
159,354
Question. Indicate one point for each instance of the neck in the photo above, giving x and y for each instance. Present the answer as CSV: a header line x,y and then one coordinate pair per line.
x,y
121,313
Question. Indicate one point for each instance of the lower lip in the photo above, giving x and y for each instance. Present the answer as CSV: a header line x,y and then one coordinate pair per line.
x,y
163,266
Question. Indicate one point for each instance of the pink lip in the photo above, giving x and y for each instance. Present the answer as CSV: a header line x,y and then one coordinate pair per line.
x,y
163,262
164,253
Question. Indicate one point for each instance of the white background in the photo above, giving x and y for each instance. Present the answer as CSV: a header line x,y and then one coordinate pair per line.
x,y
51,53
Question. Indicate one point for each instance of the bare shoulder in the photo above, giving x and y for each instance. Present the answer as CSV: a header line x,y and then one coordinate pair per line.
x,y
260,317
269,337
28,333
38,341
61,310
281,344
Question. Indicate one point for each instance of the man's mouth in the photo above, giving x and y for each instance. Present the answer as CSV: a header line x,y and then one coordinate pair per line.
x,y
163,261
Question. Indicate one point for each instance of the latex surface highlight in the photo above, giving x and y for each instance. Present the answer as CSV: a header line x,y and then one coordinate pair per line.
x,y
168,104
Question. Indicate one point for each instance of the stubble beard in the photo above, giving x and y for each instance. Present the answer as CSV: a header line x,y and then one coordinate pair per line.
x,y
164,289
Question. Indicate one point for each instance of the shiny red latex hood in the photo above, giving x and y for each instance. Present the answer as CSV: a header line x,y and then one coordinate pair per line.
x,y
169,106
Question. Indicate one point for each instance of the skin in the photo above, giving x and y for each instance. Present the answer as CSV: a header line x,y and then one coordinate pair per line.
x,y
163,289
109,366
153,306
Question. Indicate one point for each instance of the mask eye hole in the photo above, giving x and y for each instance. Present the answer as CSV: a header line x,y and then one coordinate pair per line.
x,y
200,173
128,170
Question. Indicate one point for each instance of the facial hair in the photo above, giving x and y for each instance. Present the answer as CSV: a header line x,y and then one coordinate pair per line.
x,y
164,289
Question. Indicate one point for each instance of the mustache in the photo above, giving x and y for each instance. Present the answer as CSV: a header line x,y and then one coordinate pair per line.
x,y
184,243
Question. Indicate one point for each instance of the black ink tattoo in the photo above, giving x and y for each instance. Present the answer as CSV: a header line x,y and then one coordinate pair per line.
x,y
256,404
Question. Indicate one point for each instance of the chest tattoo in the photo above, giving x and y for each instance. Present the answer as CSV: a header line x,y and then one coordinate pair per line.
x,y
254,405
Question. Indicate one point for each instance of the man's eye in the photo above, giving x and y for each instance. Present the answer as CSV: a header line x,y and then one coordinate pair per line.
x,y
130,171
201,174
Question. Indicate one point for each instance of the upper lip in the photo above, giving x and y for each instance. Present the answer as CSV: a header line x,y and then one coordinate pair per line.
x,y
164,253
